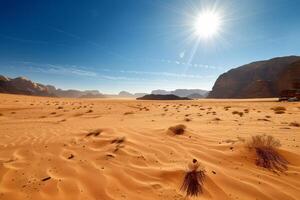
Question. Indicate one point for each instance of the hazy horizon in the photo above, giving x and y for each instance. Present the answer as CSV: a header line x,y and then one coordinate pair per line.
x,y
140,46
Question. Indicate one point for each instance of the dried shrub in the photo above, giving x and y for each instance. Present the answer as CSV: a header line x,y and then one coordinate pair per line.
x,y
128,113
193,182
94,133
227,107
118,140
295,124
279,109
187,119
267,155
178,129
238,113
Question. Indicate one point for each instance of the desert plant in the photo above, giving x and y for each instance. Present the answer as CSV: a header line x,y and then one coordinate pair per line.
x,y
128,113
295,124
187,119
279,109
238,113
118,140
178,129
267,155
94,133
193,180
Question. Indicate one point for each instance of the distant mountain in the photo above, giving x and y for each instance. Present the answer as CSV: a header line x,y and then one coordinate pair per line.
x,y
195,96
125,94
73,93
182,92
162,97
22,85
260,79
91,95
140,94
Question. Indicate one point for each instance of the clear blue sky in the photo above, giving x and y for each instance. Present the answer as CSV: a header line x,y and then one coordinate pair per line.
x,y
139,45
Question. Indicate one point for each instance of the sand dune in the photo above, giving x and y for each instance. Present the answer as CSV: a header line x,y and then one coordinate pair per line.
x,y
55,148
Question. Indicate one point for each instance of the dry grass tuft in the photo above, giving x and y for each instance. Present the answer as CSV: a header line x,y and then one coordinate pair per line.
x,y
227,107
178,129
238,113
187,119
295,124
279,109
118,140
193,182
267,155
94,133
128,113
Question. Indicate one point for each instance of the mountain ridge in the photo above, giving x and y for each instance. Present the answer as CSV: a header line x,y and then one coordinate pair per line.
x,y
260,79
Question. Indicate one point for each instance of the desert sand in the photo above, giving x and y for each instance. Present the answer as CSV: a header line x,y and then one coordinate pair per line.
x,y
56,148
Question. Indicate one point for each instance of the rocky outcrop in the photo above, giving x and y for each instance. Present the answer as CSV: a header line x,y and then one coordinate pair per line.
x,y
182,92
195,96
162,97
22,85
261,79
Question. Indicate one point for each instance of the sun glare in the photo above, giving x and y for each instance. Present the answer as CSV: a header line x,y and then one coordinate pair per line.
x,y
207,24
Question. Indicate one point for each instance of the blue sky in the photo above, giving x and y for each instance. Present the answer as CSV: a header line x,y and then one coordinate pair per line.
x,y
139,45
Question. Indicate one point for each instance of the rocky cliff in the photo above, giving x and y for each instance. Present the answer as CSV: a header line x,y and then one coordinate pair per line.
x,y
260,79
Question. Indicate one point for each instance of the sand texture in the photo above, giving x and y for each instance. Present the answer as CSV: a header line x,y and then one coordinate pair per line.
x,y
56,148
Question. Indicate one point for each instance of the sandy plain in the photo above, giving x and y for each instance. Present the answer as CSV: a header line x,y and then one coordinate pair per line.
x,y
57,148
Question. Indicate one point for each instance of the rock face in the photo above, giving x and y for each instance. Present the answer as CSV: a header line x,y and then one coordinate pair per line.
x,y
125,94
91,95
195,96
75,93
262,79
162,97
182,92
22,85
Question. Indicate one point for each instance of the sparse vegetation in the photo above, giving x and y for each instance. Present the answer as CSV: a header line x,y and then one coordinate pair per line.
x,y
193,181
178,129
238,113
267,155
118,140
227,107
187,119
279,109
94,133
295,124
128,113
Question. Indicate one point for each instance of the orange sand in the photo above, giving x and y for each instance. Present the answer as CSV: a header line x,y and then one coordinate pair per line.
x,y
133,156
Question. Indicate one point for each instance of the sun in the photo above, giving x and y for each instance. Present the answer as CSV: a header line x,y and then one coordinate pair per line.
x,y
207,24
